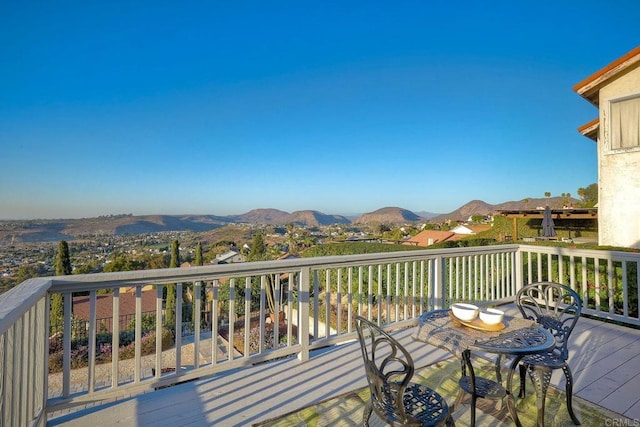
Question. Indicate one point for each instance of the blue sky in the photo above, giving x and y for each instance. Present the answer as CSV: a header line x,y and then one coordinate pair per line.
x,y
341,107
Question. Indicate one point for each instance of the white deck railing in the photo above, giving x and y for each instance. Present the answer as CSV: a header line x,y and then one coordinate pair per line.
x,y
319,297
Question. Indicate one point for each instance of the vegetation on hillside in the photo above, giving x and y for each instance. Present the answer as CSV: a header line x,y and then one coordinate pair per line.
x,y
354,248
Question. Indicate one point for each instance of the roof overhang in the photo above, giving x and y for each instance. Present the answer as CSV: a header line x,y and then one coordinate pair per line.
x,y
590,130
589,87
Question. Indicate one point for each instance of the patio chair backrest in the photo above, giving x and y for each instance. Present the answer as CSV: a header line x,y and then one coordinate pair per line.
x,y
389,369
555,306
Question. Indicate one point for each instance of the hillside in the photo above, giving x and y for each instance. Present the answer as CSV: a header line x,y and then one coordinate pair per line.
x,y
478,207
474,207
389,215
315,218
261,216
31,231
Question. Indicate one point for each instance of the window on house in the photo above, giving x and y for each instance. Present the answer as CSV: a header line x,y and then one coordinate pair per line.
x,y
625,123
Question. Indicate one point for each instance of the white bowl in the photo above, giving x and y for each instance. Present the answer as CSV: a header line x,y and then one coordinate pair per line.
x,y
491,316
466,312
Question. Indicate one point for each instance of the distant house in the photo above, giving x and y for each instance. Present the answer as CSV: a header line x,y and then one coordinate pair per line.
x,y
429,237
468,230
104,307
462,229
229,257
615,91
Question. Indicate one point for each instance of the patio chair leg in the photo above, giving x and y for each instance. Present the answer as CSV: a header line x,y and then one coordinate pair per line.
x,y
458,399
498,370
541,377
523,382
473,410
569,393
368,409
450,422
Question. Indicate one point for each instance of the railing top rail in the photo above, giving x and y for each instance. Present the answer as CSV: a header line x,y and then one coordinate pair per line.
x,y
207,273
17,301
593,253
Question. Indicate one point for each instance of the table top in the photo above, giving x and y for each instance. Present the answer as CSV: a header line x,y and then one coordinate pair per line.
x,y
519,336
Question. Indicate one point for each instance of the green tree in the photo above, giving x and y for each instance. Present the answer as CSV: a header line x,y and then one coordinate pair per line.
x,y
88,267
28,271
63,268
258,248
477,218
199,260
175,254
381,228
170,306
155,261
291,240
121,262
588,196
63,260
203,289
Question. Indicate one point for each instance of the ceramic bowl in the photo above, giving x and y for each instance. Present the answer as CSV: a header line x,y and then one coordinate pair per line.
x,y
466,312
491,316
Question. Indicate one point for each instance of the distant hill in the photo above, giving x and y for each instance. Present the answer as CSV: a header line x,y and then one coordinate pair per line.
x,y
32,231
277,217
426,215
474,207
315,218
389,215
262,216
531,203
478,207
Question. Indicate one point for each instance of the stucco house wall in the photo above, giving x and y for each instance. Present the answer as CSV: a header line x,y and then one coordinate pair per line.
x,y
619,172
618,169
615,91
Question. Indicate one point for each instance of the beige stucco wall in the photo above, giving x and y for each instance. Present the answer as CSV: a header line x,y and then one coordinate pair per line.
x,y
618,174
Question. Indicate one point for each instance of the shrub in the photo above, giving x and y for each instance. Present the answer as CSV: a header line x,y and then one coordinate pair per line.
x,y
80,348
148,323
147,344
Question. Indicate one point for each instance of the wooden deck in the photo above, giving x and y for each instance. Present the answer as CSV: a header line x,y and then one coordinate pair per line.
x,y
604,359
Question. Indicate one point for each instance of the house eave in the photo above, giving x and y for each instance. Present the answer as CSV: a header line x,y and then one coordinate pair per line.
x,y
590,87
590,130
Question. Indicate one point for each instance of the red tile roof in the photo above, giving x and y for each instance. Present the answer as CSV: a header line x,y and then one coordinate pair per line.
x,y
104,306
422,238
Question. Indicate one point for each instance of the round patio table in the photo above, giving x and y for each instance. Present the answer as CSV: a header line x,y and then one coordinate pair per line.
x,y
519,338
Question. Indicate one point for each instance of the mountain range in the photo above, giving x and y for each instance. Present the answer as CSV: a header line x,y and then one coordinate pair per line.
x,y
20,231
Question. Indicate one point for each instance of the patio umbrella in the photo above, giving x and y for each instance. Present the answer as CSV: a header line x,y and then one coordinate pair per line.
x,y
548,229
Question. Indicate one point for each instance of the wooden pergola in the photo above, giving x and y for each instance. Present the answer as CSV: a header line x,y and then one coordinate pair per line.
x,y
561,214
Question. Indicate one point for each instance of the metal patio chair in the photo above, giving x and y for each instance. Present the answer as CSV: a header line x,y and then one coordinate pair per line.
x,y
557,308
389,369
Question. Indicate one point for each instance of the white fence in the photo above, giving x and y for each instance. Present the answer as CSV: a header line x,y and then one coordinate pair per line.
x,y
228,314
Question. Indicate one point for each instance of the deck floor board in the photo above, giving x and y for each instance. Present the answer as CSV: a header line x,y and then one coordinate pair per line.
x,y
604,360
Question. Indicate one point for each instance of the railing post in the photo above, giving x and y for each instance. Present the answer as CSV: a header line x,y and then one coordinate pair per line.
x,y
66,346
44,366
437,282
518,270
303,312
159,333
